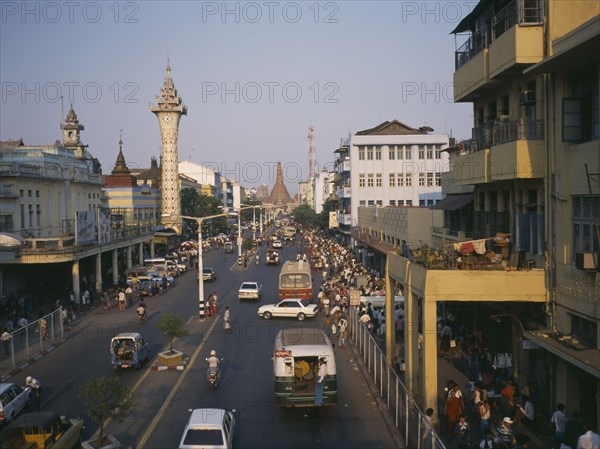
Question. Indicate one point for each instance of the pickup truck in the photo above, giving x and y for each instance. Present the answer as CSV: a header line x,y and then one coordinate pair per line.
x,y
129,349
42,430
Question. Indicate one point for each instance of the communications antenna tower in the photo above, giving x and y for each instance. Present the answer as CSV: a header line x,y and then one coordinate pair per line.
x,y
312,153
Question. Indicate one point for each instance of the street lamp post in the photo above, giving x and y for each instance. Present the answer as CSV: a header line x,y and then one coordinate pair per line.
x,y
199,220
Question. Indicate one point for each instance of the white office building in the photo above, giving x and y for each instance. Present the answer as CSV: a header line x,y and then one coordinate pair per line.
x,y
396,165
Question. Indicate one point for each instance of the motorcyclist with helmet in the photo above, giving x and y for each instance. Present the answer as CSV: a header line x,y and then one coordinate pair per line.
x,y
213,365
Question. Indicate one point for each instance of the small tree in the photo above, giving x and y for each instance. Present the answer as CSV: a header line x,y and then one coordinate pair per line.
x,y
104,397
173,326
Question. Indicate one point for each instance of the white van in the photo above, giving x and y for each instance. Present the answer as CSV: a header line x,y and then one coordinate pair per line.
x,y
378,302
296,364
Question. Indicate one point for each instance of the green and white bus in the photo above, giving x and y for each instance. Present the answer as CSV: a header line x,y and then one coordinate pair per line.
x,y
296,364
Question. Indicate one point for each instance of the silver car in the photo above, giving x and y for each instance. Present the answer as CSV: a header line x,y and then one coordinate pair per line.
x,y
13,400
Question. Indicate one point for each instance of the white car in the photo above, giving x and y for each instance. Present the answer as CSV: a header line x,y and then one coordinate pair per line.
x,y
289,308
209,428
277,244
156,276
13,400
249,290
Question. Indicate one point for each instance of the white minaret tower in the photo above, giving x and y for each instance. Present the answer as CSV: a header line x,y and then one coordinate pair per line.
x,y
312,154
168,109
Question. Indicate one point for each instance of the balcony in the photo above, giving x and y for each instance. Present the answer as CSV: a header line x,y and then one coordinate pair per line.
x,y
344,192
345,219
6,191
513,40
443,234
469,285
510,150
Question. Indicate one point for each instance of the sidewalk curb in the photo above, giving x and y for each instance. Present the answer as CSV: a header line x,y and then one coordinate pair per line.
x,y
387,418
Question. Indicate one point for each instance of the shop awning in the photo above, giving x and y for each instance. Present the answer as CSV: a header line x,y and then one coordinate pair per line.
x,y
587,359
453,202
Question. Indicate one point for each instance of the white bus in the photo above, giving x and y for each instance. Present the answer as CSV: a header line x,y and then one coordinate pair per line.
x,y
296,364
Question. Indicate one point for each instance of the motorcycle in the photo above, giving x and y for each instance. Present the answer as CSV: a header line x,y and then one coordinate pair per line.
x,y
142,315
213,375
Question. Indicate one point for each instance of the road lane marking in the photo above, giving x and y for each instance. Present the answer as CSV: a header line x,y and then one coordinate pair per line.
x,y
161,411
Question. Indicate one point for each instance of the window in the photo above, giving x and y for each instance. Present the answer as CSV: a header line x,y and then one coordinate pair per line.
x,y
31,215
362,203
430,202
401,152
421,153
37,193
21,193
38,214
378,153
408,180
580,113
429,179
370,154
408,152
361,154
22,216
378,178
585,330
421,203
361,180
400,180
429,152
6,223
400,202
584,208
392,153
392,202
438,179
421,179
409,202
438,152
370,180
392,179
371,203
29,193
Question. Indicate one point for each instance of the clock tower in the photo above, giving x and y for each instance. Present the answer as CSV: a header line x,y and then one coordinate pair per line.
x,y
72,133
169,108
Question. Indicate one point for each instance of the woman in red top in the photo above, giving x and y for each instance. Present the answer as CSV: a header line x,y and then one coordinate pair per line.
x,y
453,408
508,397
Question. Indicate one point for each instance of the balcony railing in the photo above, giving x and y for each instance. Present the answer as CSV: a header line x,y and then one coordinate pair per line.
x,y
6,191
521,129
519,12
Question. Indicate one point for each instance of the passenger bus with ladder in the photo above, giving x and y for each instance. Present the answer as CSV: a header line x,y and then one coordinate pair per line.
x,y
295,281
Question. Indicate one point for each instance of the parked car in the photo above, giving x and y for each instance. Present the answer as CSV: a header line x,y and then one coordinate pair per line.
x,y
249,290
209,428
46,430
13,400
293,307
129,349
156,276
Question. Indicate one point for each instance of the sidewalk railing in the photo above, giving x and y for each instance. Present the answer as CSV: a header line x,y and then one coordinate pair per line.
x,y
28,341
408,418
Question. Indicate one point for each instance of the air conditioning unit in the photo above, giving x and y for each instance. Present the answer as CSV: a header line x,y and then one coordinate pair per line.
x,y
504,119
587,261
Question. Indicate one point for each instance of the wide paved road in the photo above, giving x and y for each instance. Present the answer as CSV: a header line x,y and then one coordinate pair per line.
x,y
164,397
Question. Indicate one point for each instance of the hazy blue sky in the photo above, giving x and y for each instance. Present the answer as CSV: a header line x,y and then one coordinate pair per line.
x,y
254,75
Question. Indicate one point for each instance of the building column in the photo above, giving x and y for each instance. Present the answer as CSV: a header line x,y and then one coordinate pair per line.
x,y
411,336
390,314
129,257
76,282
141,255
152,248
115,267
99,272
430,388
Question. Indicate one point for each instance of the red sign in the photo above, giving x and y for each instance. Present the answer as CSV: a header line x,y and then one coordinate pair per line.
x,y
283,353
